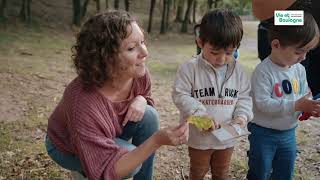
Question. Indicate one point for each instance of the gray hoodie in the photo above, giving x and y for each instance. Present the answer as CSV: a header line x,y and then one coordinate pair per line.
x,y
223,93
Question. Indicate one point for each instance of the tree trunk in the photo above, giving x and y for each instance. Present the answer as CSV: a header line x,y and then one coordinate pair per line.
x,y
25,11
184,27
153,2
98,5
84,9
169,2
179,15
28,11
116,4
195,3
163,18
127,5
210,2
76,12
107,4
3,7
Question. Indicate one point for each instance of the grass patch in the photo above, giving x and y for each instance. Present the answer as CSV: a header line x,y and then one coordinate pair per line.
x,y
248,59
250,29
23,155
33,51
162,69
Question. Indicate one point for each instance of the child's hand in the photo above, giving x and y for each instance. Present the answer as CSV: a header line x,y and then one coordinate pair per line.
x,y
215,125
239,120
203,123
306,104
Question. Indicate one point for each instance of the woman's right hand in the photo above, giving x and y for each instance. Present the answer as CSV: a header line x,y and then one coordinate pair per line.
x,y
173,135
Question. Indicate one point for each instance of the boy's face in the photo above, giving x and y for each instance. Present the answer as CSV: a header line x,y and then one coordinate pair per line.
x,y
216,57
290,55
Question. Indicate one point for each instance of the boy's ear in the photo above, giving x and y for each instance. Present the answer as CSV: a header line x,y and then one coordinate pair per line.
x,y
199,42
275,44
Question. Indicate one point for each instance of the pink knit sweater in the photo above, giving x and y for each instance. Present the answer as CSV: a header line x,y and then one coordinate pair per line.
x,y
85,123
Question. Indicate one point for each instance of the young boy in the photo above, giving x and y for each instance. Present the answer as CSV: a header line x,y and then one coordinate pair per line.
x,y
279,89
213,84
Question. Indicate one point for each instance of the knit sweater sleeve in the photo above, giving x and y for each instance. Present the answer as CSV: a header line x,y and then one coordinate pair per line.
x,y
92,130
145,90
244,104
262,89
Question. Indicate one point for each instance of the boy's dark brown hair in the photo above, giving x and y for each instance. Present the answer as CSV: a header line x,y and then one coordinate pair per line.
x,y
98,42
221,28
295,35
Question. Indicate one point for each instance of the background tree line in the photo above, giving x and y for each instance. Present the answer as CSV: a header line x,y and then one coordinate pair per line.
x,y
182,13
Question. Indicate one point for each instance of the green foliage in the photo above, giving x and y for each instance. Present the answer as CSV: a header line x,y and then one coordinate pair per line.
x,y
242,7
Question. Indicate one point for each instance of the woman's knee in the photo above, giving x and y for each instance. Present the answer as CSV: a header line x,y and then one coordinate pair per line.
x,y
151,118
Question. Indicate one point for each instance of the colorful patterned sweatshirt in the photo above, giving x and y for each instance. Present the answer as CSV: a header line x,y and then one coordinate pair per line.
x,y
274,92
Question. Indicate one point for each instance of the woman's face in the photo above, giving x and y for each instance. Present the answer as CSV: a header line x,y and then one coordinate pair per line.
x,y
133,53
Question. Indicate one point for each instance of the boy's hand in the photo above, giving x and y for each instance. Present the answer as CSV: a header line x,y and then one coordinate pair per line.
x,y
306,104
203,123
215,125
239,120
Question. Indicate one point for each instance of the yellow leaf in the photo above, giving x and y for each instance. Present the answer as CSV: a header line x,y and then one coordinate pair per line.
x,y
201,122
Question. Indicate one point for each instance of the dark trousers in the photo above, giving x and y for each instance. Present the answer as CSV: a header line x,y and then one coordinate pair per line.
x,y
311,63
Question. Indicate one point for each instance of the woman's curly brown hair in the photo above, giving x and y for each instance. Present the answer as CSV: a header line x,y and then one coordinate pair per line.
x,y
98,44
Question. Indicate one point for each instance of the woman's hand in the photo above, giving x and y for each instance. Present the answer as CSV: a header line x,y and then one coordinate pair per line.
x,y
136,110
173,135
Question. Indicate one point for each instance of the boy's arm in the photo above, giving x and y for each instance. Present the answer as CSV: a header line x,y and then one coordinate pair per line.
x,y
262,90
182,93
243,107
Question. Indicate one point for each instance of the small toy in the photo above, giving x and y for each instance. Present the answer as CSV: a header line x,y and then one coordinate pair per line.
x,y
305,115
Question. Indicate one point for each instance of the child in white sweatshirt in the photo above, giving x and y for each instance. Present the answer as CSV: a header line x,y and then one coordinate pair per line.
x,y
214,85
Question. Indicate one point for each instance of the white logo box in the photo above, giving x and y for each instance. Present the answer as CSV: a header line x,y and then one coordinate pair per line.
x,y
293,18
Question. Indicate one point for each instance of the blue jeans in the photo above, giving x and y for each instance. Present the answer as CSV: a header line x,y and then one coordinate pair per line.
x,y
137,131
271,150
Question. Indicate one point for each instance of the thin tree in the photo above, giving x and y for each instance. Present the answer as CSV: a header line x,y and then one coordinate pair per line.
x,y
98,8
180,8
169,2
163,18
107,4
209,3
3,7
184,27
127,5
194,11
116,4
25,11
84,9
76,12
153,2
